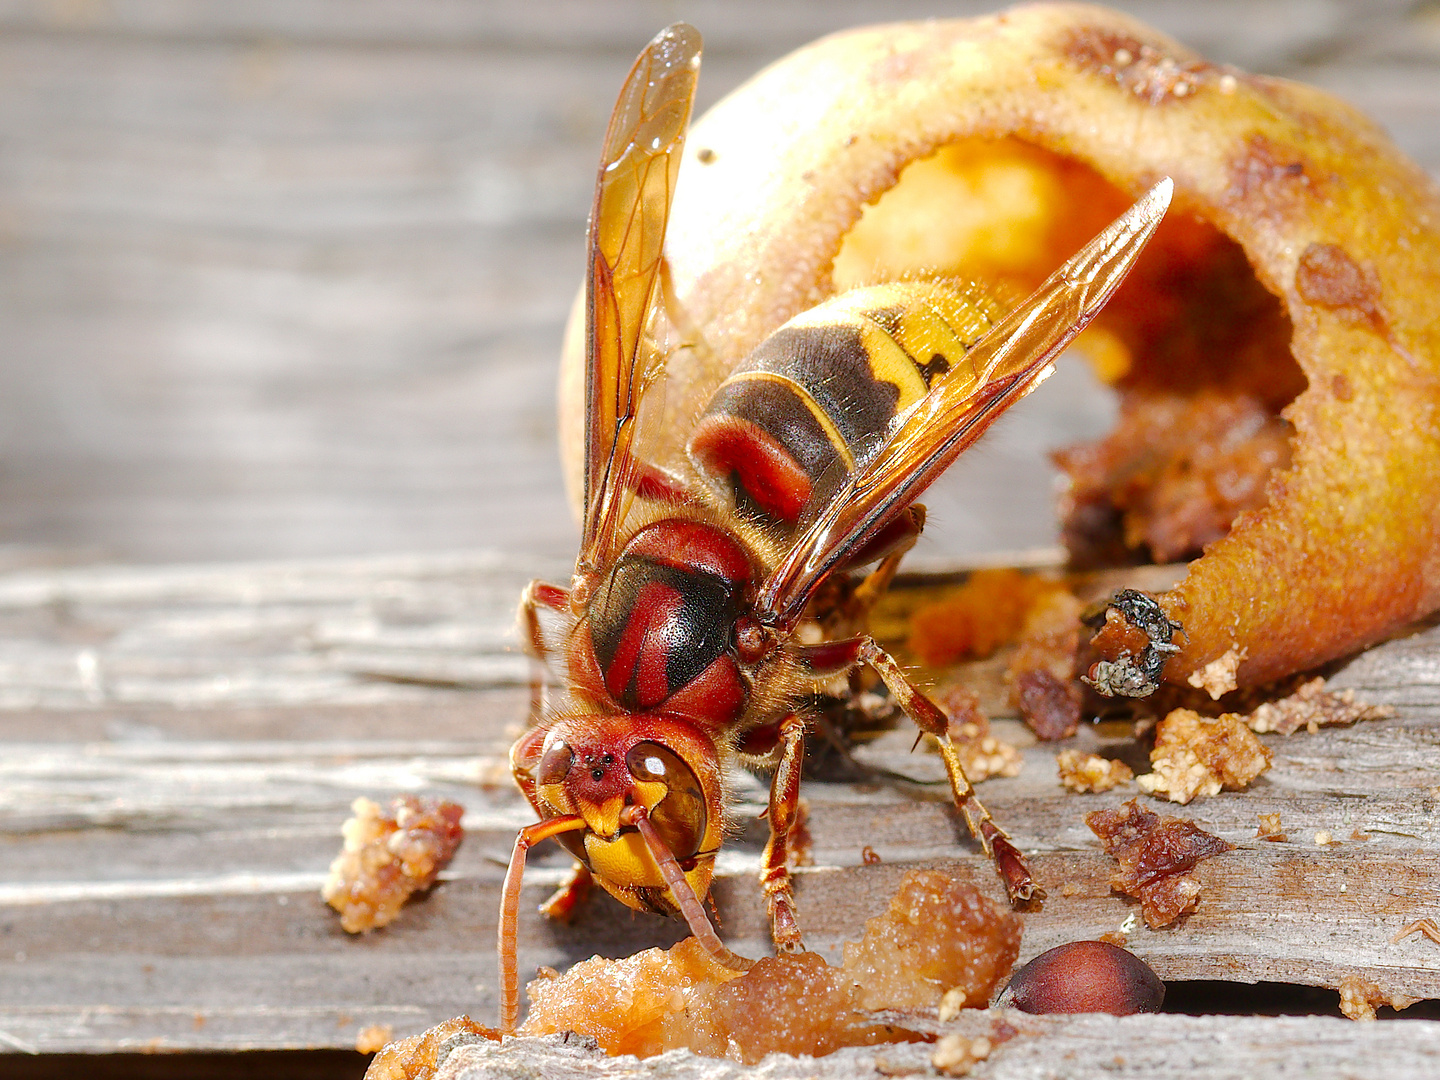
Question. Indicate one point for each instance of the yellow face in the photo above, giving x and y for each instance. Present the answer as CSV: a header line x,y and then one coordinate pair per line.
x,y
626,870
595,767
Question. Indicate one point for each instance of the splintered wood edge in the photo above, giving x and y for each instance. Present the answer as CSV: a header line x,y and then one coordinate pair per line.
x,y
1117,1048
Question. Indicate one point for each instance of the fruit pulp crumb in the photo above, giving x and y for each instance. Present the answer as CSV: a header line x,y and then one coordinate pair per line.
x,y
1155,856
389,856
956,1055
1085,773
938,935
1195,755
982,755
370,1039
1271,829
1359,998
1313,707
417,1057
988,611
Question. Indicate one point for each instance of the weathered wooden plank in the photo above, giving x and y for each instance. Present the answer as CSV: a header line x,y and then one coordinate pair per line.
x,y
1179,1047
1289,31
190,838
281,634
285,279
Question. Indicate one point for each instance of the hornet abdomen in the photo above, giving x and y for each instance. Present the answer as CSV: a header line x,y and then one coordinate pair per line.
x,y
822,391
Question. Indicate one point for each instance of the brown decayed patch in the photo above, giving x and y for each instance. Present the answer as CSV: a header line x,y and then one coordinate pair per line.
x,y
1145,70
1271,180
1328,277
1155,856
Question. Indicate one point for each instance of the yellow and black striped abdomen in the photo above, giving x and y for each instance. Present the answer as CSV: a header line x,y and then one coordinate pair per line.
x,y
822,391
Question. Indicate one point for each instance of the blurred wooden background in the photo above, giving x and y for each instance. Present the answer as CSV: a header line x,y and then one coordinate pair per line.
x,y
284,280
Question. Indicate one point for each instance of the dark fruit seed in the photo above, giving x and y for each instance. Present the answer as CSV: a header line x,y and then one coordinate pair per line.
x,y
1085,976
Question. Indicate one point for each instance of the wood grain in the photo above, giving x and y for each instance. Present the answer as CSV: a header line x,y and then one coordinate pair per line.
x,y
287,279
164,846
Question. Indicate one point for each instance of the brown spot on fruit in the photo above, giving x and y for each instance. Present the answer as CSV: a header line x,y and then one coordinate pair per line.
x,y
1102,49
1147,71
1270,180
1085,977
1328,277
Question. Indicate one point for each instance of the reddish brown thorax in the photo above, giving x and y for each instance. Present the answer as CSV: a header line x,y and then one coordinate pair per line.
x,y
660,632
